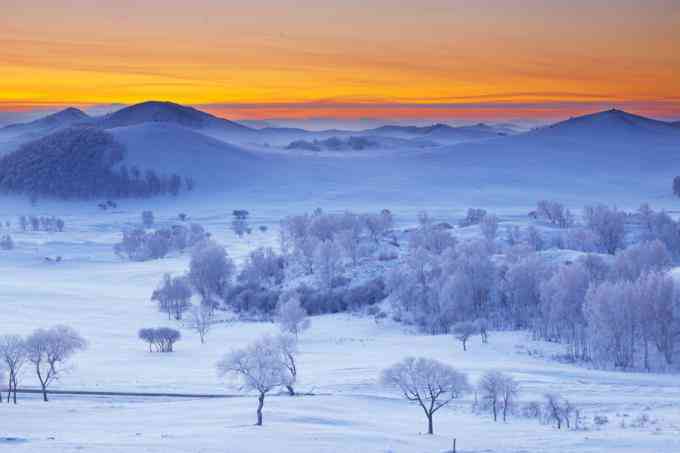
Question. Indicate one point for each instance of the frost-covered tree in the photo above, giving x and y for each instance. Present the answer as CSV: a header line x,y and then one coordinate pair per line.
x,y
288,345
499,391
210,270
608,224
658,305
259,367
327,264
48,350
428,382
555,213
349,241
200,319
581,239
430,237
463,331
472,217
561,308
378,224
535,238
13,354
632,262
173,296
263,267
160,339
489,227
610,311
558,410
291,316
473,263
520,287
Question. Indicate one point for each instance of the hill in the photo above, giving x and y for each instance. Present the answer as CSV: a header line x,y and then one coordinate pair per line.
x,y
169,148
613,126
137,161
63,118
168,112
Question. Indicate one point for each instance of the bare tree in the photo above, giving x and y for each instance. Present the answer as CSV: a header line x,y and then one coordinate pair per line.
x,y
200,320
259,367
509,393
558,410
13,354
490,387
430,383
463,331
49,350
288,345
483,329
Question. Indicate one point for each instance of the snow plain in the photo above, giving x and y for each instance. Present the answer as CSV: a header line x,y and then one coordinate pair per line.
x,y
341,356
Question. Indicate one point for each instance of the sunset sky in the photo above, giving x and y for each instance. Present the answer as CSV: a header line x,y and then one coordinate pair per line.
x,y
345,59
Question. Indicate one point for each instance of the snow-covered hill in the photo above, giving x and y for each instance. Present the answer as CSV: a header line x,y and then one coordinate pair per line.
x,y
169,112
611,126
170,148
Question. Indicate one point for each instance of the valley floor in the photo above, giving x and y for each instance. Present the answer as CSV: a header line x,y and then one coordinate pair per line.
x,y
107,301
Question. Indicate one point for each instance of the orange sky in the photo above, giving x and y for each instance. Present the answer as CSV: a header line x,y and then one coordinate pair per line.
x,y
370,58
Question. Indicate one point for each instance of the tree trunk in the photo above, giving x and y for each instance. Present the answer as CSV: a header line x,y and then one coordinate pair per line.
x,y
260,404
495,410
464,345
291,390
44,391
14,391
430,427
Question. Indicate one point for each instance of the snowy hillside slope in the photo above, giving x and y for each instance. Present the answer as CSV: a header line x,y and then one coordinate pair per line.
x,y
170,148
14,135
612,126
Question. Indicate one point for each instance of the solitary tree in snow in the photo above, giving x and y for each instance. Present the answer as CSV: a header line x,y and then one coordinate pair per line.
x,y
259,368
13,354
463,331
200,320
49,350
428,382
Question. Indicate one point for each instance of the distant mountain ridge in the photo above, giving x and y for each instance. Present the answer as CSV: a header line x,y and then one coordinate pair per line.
x,y
62,118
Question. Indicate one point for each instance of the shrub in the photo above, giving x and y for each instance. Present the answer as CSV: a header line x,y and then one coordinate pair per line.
x,y
160,339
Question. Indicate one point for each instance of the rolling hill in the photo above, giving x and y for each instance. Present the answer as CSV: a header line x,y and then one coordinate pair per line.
x,y
610,155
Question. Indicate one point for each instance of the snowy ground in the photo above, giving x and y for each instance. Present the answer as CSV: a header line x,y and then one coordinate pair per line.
x,y
341,356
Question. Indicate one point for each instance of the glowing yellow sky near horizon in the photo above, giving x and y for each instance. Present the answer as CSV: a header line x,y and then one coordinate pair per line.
x,y
359,52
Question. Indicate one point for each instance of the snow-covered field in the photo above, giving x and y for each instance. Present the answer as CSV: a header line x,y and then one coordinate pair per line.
x,y
107,300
